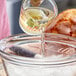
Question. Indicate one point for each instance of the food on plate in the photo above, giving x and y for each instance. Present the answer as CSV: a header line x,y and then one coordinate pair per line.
x,y
64,23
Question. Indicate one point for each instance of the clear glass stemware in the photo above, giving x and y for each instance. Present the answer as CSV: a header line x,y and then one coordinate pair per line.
x,y
35,14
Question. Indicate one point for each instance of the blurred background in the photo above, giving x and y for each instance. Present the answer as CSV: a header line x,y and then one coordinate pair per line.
x,y
13,10
65,4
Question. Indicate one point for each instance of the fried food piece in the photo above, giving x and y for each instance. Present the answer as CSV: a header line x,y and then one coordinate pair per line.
x,y
64,23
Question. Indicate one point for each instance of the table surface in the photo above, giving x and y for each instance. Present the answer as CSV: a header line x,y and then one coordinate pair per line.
x,y
2,71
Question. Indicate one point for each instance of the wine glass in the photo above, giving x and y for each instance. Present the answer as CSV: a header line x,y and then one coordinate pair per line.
x,y
35,14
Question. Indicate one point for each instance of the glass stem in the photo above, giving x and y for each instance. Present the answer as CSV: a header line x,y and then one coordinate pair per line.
x,y
42,42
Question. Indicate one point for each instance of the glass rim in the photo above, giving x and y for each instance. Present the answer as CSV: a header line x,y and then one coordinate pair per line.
x,y
55,7
33,61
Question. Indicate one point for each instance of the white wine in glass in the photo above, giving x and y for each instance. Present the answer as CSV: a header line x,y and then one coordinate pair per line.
x,y
34,17
35,14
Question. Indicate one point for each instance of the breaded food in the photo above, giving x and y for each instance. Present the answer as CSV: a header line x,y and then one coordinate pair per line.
x,y
64,23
